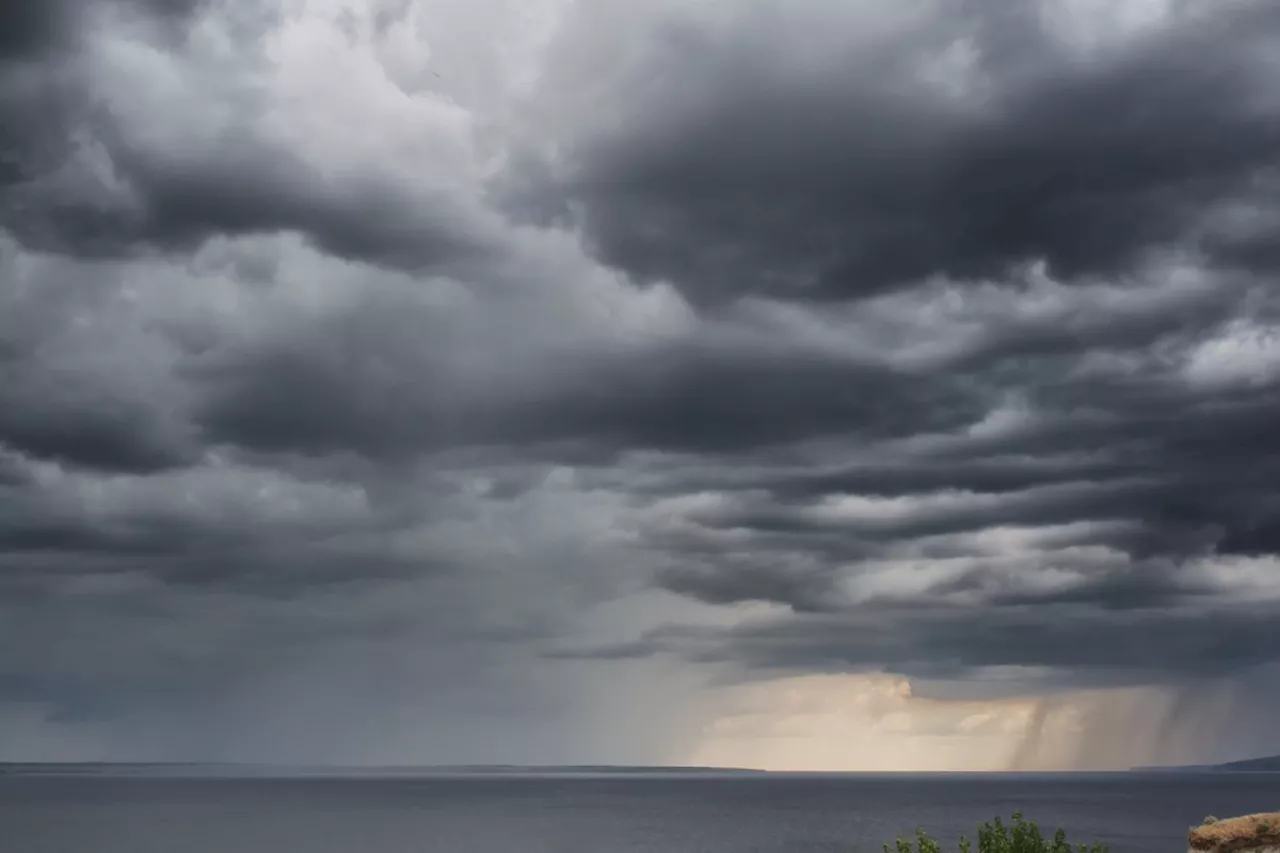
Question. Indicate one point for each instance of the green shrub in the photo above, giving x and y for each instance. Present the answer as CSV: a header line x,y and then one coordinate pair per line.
x,y
1023,836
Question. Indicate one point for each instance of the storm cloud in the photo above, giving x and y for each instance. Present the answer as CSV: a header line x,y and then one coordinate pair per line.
x,y
762,162
377,376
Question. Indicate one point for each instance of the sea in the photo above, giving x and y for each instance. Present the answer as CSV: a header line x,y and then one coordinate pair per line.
x,y
599,812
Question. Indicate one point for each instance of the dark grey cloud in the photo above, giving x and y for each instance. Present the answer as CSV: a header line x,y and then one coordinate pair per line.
x,y
35,31
1087,648
244,187
198,528
80,177
94,436
391,414
1157,481
352,389
29,28
742,170
734,578
78,389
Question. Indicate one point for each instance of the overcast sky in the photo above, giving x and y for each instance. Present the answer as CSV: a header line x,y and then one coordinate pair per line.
x,y
841,384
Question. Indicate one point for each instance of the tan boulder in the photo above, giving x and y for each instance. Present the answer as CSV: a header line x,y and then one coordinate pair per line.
x,y
1256,833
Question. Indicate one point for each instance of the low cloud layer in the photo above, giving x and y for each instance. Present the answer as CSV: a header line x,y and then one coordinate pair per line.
x,y
375,377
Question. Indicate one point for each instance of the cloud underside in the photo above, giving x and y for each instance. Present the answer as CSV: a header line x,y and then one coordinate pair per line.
x,y
751,339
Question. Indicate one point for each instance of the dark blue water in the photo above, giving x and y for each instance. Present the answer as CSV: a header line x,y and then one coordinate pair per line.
x,y
628,814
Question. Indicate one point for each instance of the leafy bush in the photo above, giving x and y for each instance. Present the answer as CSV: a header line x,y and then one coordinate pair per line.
x,y
994,837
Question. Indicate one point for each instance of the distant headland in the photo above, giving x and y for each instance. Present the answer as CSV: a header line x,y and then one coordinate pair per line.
x,y
1269,764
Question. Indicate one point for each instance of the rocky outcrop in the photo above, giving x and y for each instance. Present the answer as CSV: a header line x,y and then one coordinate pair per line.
x,y
1256,833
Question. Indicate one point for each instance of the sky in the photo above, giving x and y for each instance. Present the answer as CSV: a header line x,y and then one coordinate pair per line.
x,y
795,384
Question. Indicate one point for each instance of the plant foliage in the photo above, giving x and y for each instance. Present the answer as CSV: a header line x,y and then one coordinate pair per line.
x,y
1022,836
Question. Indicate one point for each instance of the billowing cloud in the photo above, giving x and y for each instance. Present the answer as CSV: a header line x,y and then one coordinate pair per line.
x,y
375,377
754,156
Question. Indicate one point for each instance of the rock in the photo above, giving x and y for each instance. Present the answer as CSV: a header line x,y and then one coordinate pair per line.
x,y
1256,833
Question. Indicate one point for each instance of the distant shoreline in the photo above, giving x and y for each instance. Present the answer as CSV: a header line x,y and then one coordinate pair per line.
x,y
215,769
1270,764
230,770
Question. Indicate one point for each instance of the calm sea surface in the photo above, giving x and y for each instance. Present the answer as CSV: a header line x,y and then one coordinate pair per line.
x,y
600,814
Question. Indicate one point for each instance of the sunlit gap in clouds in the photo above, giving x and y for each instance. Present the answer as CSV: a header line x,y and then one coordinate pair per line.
x,y
874,723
